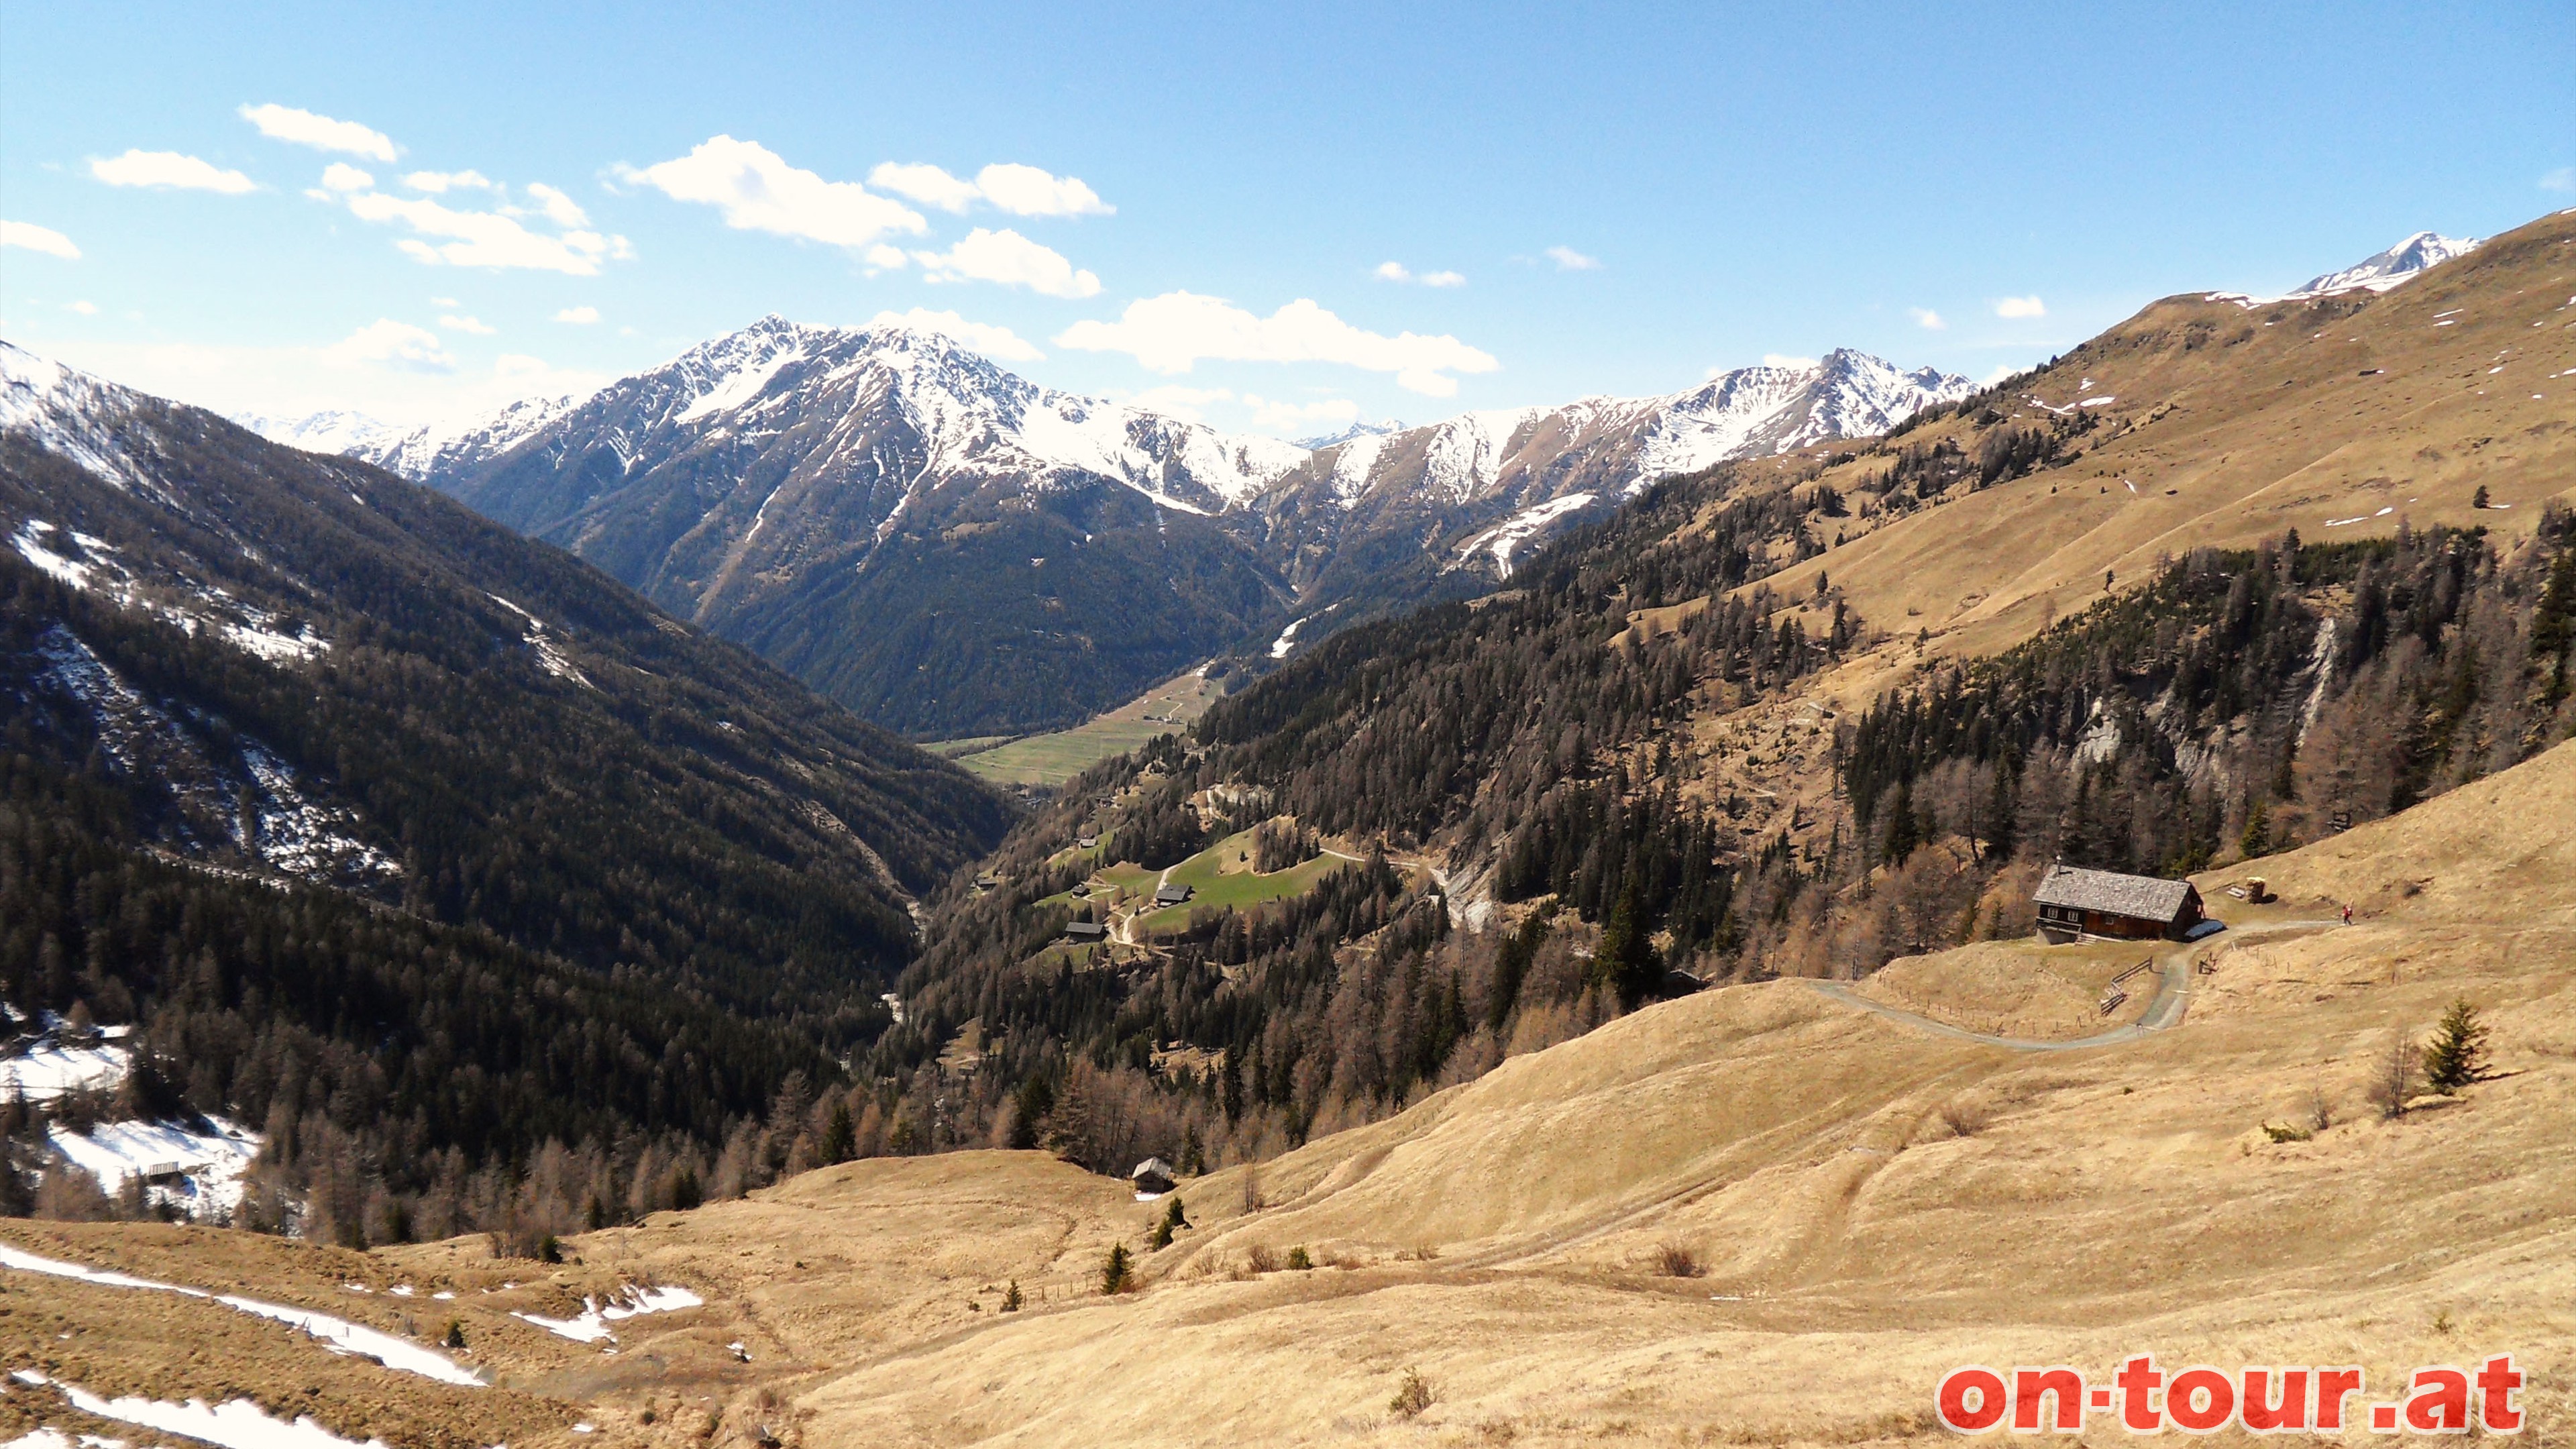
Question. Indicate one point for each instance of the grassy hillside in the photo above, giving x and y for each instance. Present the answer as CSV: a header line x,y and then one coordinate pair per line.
x,y
1866,1203
2221,424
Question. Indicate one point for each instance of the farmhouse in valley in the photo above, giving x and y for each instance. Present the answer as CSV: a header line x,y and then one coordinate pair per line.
x,y
1171,893
2075,903
1085,931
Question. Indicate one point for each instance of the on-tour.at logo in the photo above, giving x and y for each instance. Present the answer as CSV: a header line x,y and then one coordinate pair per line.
x,y
2439,1399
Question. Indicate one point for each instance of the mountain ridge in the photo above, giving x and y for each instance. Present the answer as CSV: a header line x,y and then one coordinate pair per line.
x,y
874,508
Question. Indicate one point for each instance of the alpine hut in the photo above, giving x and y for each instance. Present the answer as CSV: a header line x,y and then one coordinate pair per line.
x,y
2075,903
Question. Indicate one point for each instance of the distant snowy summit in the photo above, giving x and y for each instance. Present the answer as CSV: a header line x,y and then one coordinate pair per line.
x,y
414,452
967,415
2394,267
952,549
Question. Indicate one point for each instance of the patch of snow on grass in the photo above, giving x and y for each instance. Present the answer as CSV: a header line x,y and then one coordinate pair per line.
x,y
591,1325
233,1424
336,1334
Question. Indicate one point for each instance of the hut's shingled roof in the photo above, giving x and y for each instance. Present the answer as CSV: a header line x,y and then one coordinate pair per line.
x,y
2141,896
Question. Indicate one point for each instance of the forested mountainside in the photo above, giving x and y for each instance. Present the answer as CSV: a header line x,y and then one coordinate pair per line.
x,y
1634,765
420,843
1220,1033
952,550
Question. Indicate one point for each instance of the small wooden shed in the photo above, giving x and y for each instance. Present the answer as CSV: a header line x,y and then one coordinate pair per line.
x,y
2075,903
1153,1175
1171,893
1085,931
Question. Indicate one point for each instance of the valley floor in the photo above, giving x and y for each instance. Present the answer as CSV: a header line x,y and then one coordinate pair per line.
x,y
1864,1204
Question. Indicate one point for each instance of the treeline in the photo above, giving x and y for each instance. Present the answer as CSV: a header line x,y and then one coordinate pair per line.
x,y
2239,704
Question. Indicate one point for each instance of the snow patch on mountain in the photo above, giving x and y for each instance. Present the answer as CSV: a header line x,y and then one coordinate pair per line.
x,y
2394,267
1520,528
90,565
550,656
72,415
591,1324
1754,411
195,1169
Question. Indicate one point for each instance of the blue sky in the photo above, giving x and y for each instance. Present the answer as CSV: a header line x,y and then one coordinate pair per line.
x,y
1198,206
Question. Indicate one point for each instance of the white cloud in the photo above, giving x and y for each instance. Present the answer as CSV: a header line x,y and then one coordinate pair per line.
x,y
1175,401
1271,413
1999,374
758,191
1567,259
887,258
1782,359
487,239
1170,333
2562,179
36,238
583,316
1398,272
341,176
169,168
86,309
475,325
285,123
926,184
389,343
983,337
1007,186
1926,318
439,183
560,209
2020,307
1028,191
1011,259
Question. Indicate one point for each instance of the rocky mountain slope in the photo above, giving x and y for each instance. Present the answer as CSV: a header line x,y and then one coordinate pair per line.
x,y
878,510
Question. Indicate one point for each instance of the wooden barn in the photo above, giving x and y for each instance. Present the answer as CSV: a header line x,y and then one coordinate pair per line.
x,y
1172,893
1085,931
2075,903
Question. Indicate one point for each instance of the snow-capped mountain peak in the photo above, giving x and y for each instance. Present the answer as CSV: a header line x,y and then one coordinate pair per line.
x,y
2394,267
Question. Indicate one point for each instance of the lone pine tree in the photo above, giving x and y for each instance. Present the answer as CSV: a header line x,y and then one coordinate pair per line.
x,y
2457,1054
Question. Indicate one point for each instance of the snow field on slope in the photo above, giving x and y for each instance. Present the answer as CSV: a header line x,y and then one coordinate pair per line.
x,y
233,1424
591,1324
337,1335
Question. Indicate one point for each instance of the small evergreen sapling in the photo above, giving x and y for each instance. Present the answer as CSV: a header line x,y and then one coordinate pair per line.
x,y
1172,1222
2457,1055
1117,1274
